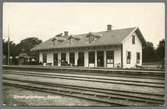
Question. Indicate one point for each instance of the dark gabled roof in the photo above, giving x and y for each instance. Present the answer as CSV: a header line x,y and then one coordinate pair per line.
x,y
113,37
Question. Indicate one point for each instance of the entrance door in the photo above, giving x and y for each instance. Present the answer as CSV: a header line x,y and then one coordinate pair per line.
x,y
91,58
110,59
100,59
63,59
81,59
44,58
55,59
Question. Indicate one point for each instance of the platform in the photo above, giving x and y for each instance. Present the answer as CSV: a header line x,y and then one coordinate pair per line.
x,y
132,72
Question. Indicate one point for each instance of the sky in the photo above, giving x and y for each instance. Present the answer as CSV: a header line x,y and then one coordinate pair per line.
x,y
45,20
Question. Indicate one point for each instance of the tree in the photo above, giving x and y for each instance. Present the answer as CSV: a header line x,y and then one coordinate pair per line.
x,y
23,47
12,47
27,44
149,54
12,51
160,51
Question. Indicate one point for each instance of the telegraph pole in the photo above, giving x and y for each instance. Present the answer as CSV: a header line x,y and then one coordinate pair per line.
x,y
8,46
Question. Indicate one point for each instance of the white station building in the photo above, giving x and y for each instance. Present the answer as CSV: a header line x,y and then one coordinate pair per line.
x,y
118,48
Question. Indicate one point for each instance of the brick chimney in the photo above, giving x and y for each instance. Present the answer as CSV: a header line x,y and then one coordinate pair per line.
x,y
65,33
109,27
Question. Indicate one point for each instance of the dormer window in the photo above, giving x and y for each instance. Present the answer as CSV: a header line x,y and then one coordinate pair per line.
x,y
92,36
71,37
133,39
91,39
53,40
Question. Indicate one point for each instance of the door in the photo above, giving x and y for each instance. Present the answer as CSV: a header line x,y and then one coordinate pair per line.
x,y
91,58
44,58
81,59
110,59
100,58
63,59
55,59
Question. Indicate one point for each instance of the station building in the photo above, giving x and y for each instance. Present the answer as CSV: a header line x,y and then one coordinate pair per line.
x,y
118,48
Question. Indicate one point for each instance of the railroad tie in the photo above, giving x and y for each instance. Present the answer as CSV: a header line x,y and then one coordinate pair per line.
x,y
57,90
82,92
146,102
109,97
126,99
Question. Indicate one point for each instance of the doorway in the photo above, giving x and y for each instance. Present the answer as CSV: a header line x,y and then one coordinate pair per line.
x,y
110,59
81,59
63,59
100,58
55,59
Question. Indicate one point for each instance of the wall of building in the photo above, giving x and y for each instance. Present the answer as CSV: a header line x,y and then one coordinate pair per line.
x,y
76,57
86,62
40,57
67,56
50,58
133,48
117,56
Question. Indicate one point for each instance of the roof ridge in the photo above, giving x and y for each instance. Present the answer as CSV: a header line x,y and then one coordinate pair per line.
x,y
105,31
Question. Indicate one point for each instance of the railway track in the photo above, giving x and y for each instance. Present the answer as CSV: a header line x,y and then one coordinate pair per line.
x,y
113,97
125,81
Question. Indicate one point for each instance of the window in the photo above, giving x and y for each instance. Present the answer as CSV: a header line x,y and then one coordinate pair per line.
x,y
133,39
44,58
72,58
138,58
128,57
92,57
110,57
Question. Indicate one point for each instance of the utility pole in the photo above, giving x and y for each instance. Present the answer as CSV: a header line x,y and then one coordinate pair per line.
x,y
8,46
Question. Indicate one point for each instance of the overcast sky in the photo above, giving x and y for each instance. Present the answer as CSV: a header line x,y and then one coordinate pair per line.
x,y
44,20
